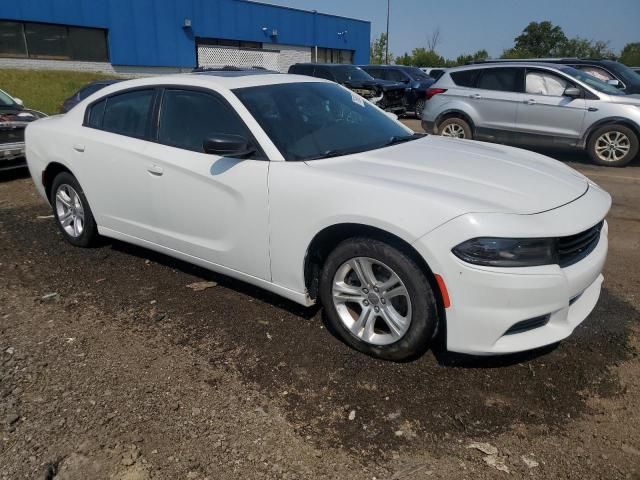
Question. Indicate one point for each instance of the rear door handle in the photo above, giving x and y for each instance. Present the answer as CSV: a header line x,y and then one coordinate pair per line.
x,y
155,170
476,96
531,101
78,147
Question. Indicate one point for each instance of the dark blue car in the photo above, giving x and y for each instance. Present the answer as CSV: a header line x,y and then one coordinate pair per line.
x,y
416,81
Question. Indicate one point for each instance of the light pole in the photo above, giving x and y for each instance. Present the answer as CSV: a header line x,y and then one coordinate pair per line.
x,y
386,55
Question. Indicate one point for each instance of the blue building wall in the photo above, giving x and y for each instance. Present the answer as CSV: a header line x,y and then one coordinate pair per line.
x,y
149,32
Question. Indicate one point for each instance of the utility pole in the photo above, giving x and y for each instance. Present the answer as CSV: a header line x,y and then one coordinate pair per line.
x,y
386,55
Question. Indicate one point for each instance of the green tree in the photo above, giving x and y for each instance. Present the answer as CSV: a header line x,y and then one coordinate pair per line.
x,y
464,59
421,57
540,39
630,54
583,48
404,59
379,50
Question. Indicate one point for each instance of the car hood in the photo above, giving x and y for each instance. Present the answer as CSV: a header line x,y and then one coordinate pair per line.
x,y
472,176
377,83
16,117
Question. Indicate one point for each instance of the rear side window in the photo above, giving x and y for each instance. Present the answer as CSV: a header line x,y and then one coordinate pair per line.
x,y
95,115
466,78
188,117
129,113
500,79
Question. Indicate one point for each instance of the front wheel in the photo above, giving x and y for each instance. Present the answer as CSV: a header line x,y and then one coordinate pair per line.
x,y
613,146
455,127
378,300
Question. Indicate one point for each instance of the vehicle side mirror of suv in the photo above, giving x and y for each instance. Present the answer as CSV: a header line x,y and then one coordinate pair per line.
x,y
18,101
573,92
614,83
227,145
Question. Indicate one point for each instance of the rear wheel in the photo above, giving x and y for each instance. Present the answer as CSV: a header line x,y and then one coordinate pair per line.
x,y
71,211
378,300
455,127
419,108
613,146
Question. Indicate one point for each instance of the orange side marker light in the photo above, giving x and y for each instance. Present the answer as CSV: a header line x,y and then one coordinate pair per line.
x,y
443,291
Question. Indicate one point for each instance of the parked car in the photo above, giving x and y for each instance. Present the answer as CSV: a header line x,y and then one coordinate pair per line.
x,y
387,95
610,71
83,93
14,118
415,80
436,73
536,104
298,186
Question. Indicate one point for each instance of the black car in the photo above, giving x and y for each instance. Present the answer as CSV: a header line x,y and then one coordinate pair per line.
x,y
416,83
14,118
83,93
385,94
610,71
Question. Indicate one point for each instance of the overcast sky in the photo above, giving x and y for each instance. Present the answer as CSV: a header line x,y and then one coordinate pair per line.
x,y
469,25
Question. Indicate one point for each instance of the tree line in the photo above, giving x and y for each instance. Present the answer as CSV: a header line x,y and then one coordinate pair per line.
x,y
537,40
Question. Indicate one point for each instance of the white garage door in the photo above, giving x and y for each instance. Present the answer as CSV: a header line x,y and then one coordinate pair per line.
x,y
278,60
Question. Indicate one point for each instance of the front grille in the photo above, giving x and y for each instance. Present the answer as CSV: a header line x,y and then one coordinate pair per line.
x,y
574,248
11,135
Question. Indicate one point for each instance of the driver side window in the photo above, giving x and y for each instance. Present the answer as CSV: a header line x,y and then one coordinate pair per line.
x,y
545,83
188,117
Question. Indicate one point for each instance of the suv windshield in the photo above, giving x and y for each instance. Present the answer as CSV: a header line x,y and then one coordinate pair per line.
x,y
348,73
592,81
309,121
6,100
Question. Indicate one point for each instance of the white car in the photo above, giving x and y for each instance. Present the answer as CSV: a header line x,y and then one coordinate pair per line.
x,y
301,187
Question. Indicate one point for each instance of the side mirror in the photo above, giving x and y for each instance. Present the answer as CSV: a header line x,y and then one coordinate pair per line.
x,y
19,101
614,83
226,145
572,92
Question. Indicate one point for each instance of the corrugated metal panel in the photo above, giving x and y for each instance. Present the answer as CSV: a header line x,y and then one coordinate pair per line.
x,y
150,33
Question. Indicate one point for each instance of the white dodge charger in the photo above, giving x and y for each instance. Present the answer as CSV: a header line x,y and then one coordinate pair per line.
x,y
303,188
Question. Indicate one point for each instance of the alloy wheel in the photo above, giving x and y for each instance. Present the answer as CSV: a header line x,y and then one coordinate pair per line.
x,y
372,301
453,130
612,146
69,210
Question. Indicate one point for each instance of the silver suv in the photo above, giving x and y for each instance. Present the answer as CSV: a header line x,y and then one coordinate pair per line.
x,y
535,105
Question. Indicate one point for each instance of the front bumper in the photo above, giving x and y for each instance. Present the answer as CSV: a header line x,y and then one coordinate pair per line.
x,y
12,156
486,302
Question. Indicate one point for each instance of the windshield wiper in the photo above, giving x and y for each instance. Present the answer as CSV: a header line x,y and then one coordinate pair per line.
x,y
395,140
333,153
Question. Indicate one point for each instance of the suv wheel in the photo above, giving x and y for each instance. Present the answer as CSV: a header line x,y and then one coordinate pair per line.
x,y
419,108
71,211
378,300
456,128
613,146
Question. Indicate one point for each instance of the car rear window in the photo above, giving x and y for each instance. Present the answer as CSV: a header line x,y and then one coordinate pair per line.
x,y
129,113
465,78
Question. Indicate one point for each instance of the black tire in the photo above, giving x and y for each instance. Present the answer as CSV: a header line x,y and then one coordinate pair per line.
x,y
419,107
424,311
466,128
613,129
89,234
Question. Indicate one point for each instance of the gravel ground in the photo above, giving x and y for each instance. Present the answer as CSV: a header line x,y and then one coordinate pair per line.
x,y
110,367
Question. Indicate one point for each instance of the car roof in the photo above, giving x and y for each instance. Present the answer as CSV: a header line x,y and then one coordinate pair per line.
x,y
327,64
476,66
219,80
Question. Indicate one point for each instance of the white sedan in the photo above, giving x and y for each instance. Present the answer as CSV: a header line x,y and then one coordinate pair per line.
x,y
303,188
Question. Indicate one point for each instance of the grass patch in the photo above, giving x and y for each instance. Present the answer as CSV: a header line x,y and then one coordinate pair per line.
x,y
45,90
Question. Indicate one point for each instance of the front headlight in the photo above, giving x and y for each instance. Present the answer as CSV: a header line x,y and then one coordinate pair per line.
x,y
507,252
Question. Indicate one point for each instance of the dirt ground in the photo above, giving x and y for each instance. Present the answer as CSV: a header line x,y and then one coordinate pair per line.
x,y
111,368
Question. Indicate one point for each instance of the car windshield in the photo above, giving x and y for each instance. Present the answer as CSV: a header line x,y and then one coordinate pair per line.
x,y
592,81
310,121
416,74
6,100
346,73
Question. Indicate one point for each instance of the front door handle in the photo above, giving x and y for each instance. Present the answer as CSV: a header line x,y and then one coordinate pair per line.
x,y
531,101
78,147
476,96
155,170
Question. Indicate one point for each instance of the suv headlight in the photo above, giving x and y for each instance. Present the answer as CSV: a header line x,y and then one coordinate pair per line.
x,y
507,252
